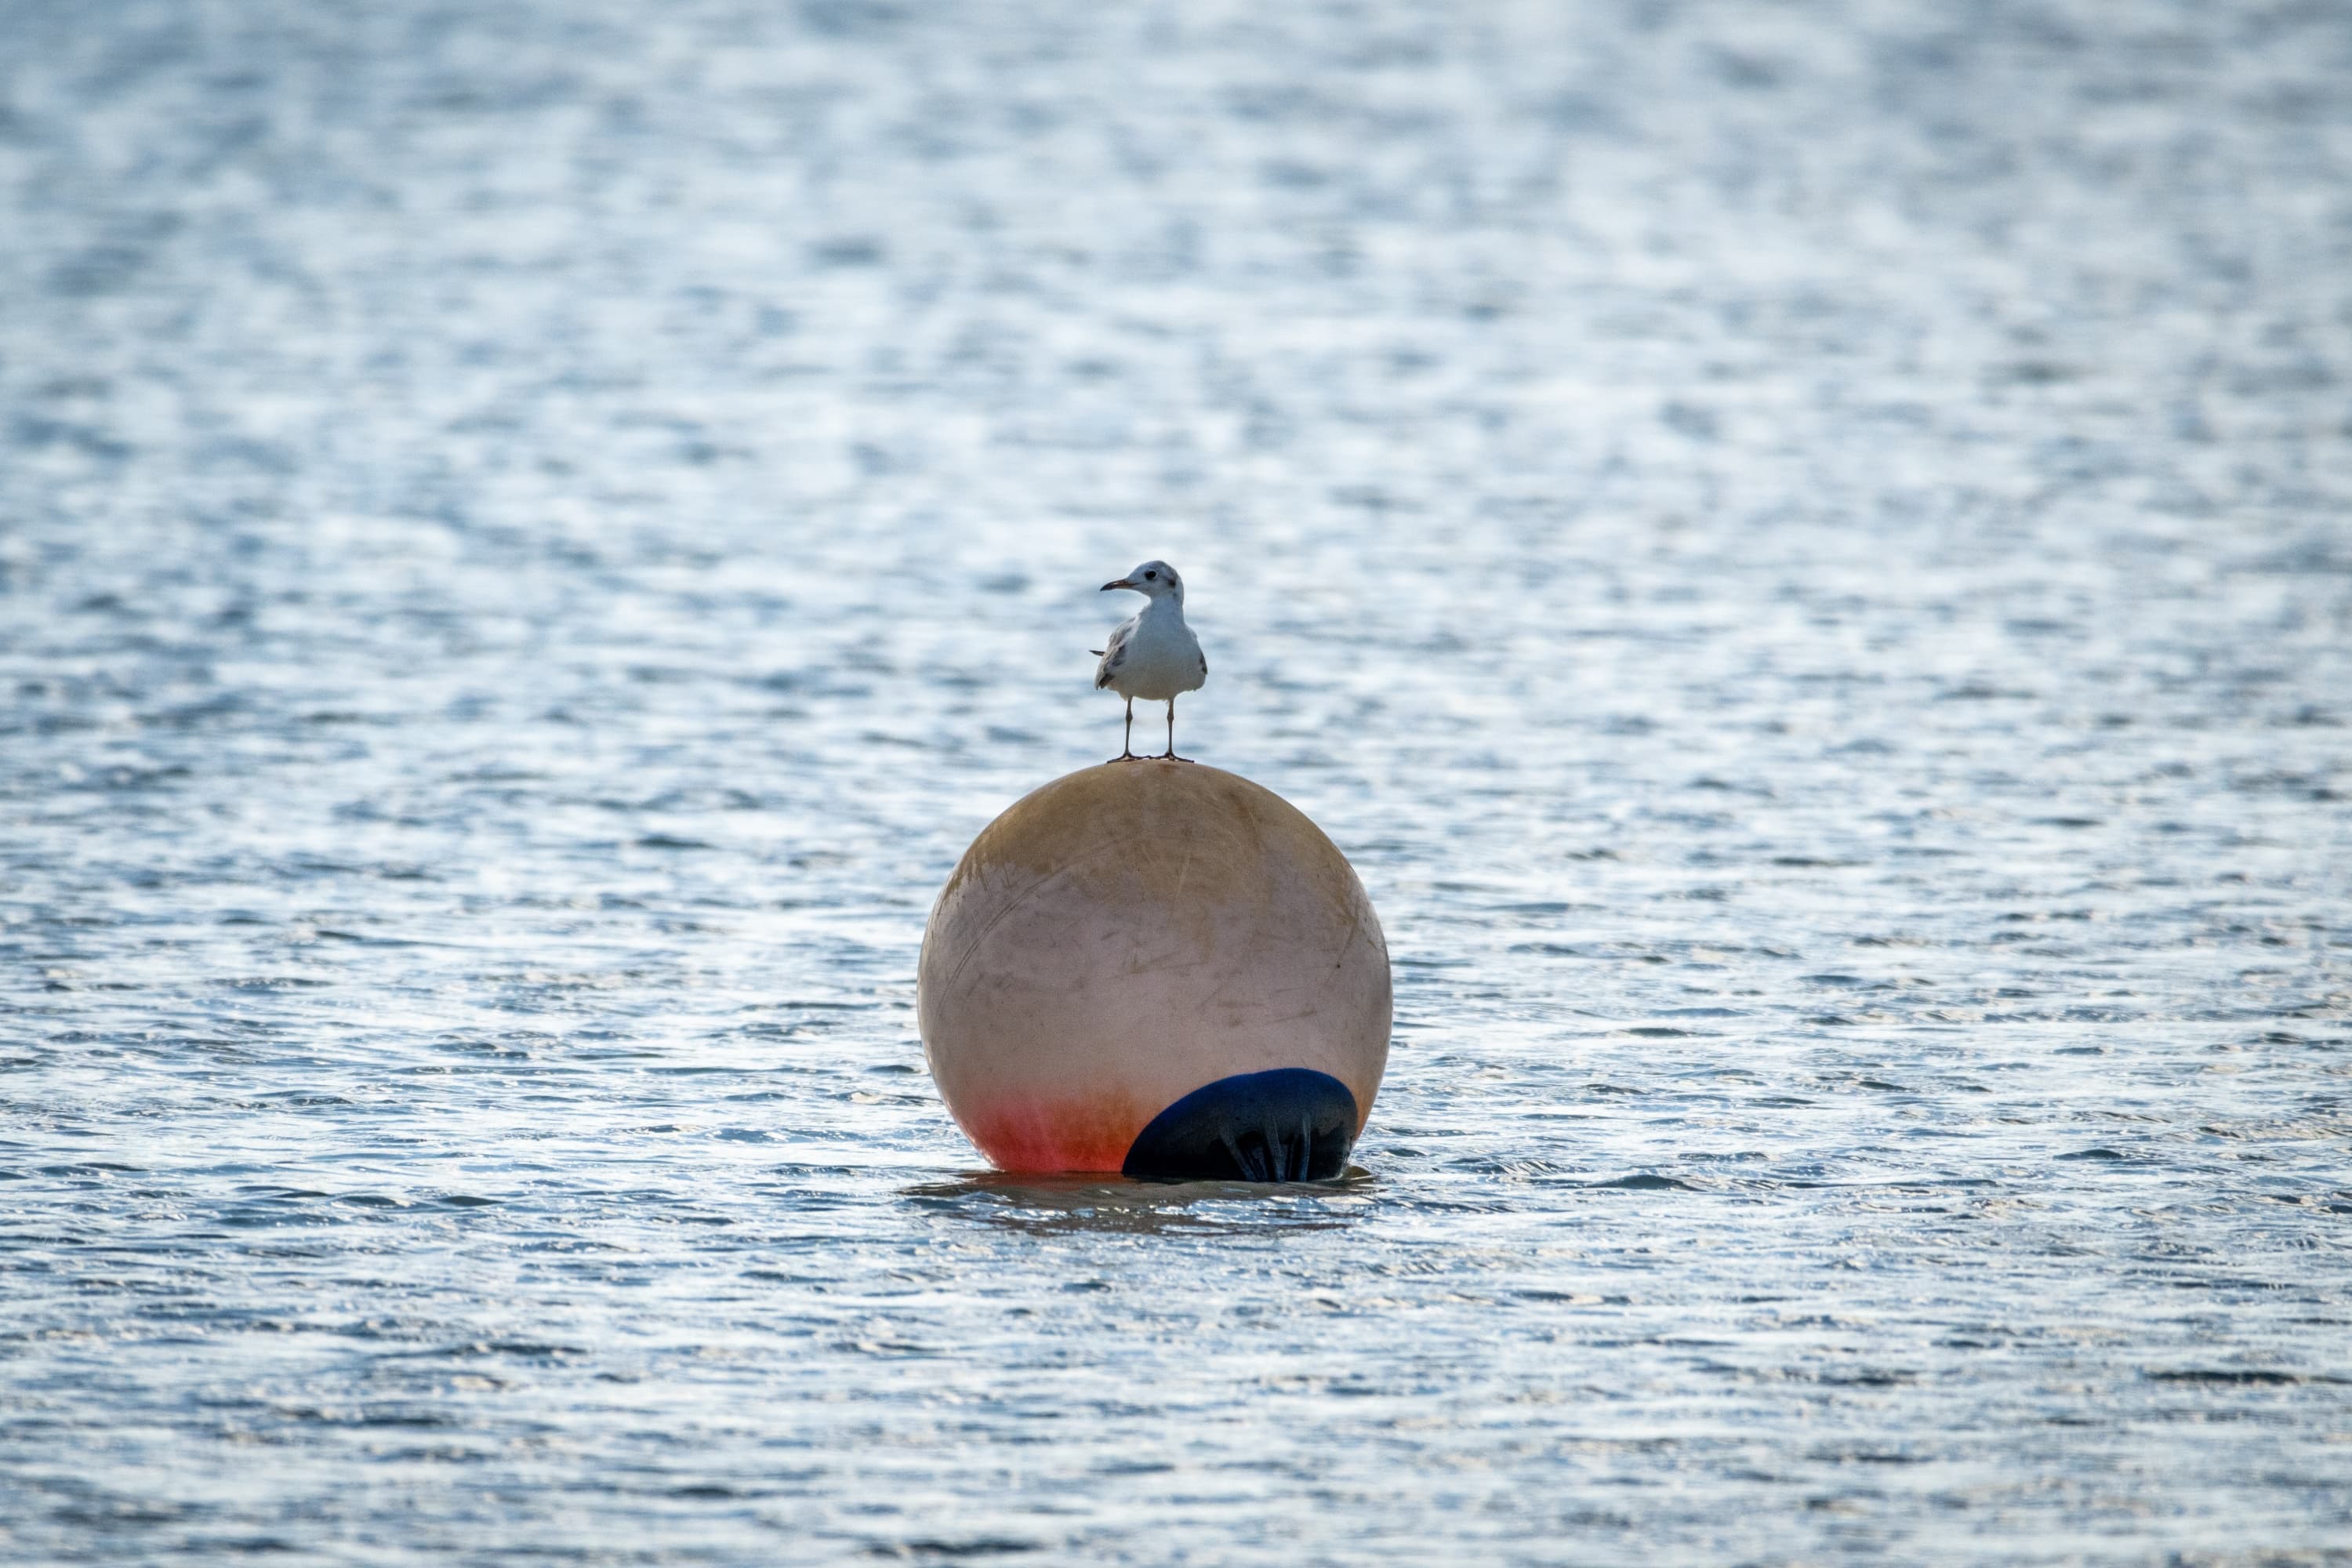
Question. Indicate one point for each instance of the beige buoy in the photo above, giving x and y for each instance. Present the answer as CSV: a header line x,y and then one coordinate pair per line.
x,y
1156,967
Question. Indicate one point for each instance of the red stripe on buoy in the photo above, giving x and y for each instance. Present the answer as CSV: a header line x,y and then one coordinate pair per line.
x,y
1040,1137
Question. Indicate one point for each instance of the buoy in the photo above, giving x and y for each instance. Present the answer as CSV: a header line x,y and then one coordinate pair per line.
x,y
1159,968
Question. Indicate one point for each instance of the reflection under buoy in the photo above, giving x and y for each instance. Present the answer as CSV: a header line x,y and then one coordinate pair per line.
x,y
1061,1204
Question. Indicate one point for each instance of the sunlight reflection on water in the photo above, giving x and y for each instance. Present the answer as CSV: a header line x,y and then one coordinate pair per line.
x,y
1801,553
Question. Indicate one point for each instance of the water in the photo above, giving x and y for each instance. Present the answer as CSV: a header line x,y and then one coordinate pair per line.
x,y
1802,552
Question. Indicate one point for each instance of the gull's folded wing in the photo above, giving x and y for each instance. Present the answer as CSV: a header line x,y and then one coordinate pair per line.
x,y
1113,654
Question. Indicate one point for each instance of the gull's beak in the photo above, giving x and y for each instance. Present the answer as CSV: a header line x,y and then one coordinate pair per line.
x,y
1122,582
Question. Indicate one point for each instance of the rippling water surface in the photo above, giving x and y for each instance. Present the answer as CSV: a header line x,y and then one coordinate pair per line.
x,y
1802,550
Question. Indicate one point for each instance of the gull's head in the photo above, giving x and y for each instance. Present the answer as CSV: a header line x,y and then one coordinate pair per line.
x,y
1154,580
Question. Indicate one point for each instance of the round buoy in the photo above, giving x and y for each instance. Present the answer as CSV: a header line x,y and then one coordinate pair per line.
x,y
1159,968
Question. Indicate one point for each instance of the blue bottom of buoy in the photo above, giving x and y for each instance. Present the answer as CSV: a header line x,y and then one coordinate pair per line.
x,y
1292,1124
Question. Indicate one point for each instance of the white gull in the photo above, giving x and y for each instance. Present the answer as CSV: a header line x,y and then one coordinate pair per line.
x,y
1153,654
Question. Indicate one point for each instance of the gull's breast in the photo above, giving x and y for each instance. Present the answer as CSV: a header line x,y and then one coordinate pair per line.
x,y
1159,662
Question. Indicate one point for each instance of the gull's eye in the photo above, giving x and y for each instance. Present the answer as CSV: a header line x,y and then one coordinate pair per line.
x,y
1151,576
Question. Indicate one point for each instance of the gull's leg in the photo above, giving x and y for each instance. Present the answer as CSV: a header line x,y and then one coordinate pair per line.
x,y
1126,746
1172,730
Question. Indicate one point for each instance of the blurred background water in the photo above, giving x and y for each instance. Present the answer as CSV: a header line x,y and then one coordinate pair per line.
x,y
1802,549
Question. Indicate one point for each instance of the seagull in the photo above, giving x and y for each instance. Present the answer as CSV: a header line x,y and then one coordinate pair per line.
x,y
1153,654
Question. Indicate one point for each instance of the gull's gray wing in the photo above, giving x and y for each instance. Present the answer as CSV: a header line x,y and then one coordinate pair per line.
x,y
1114,652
